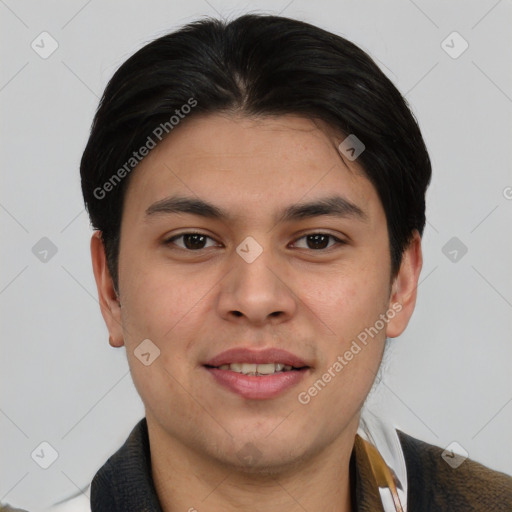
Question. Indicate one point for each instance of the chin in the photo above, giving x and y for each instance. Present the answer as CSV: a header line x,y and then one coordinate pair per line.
x,y
264,456
268,466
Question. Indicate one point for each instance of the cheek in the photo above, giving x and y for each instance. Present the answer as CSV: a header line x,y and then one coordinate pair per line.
x,y
168,307
156,301
347,300
165,310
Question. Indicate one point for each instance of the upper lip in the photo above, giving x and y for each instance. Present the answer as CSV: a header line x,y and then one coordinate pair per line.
x,y
247,355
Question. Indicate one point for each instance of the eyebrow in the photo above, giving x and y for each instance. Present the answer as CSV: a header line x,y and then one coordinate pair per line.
x,y
337,206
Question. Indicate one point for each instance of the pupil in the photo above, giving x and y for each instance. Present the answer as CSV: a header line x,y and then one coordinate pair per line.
x,y
317,241
194,241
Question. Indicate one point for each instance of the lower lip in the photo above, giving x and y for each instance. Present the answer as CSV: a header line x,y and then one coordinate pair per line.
x,y
257,387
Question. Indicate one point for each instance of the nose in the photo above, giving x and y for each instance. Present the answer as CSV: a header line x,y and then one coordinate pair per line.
x,y
256,292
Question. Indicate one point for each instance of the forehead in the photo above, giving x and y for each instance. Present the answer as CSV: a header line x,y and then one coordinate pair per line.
x,y
249,164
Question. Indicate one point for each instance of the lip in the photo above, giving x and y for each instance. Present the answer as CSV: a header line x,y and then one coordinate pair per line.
x,y
246,355
254,387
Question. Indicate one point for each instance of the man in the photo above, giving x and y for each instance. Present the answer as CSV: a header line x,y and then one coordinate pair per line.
x,y
258,193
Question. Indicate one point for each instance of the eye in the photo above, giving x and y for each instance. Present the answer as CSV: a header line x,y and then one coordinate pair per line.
x,y
317,241
197,241
191,241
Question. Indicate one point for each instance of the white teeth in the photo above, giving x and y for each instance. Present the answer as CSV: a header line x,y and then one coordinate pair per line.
x,y
248,368
266,369
256,369
236,367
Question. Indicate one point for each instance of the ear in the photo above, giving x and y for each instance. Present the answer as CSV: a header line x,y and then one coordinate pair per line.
x,y
404,288
108,299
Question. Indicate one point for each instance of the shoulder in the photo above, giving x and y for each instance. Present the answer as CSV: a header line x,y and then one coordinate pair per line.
x,y
435,485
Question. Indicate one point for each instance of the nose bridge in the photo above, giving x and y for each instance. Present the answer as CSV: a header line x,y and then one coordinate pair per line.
x,y
254,289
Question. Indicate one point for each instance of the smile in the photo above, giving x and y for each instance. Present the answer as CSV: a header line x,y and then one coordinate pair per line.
x,y
257,369
257,375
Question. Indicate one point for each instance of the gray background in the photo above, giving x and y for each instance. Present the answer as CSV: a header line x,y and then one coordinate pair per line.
x,y
446,379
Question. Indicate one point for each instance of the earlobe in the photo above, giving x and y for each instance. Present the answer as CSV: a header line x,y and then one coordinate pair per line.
x,y
113,343
107,296
404,288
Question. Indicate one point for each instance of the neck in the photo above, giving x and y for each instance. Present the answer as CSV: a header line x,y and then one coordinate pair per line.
x,y
188,481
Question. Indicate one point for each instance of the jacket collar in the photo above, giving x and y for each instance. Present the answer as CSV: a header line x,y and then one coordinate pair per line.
x,y
125,481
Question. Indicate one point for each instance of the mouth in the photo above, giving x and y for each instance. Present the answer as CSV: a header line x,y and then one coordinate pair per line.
x,y
257,370
257,375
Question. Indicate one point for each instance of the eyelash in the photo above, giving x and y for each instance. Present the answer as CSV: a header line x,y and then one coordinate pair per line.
x,y
337,240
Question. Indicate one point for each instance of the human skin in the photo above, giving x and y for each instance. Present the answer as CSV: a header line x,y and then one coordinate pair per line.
x,y
196,303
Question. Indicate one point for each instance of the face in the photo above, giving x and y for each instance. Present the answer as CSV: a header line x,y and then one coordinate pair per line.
x,y
251,246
